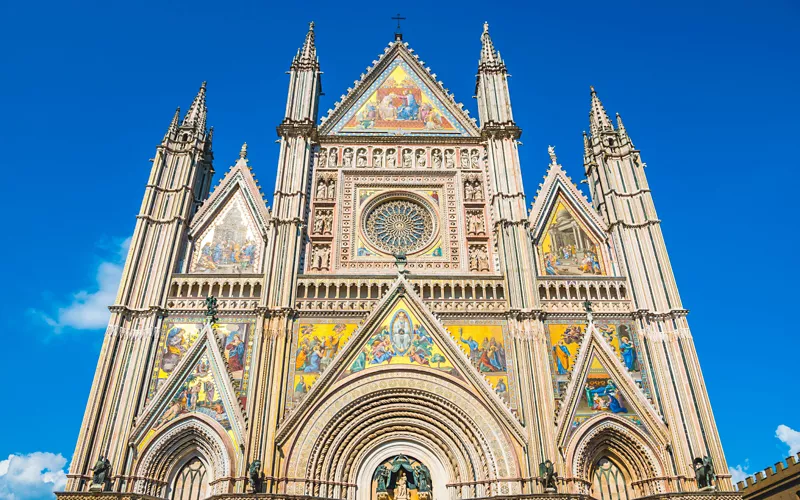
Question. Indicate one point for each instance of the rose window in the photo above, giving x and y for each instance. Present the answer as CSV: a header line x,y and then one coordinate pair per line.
x,y
398,225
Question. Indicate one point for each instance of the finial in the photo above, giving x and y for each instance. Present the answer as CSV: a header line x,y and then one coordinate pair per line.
x,y
311,26
551,150
398,34
243,151
591,88
486,27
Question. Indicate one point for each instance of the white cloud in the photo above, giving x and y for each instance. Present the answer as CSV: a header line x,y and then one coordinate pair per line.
x,y
88,310
739,473
790,437
33,476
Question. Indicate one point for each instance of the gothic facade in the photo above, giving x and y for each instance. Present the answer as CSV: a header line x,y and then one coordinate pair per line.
x,y
398,325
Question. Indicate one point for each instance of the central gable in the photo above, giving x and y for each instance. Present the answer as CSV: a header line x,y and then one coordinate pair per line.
x,y
398,97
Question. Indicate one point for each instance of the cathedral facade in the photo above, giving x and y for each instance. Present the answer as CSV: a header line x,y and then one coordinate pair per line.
x,y
398,325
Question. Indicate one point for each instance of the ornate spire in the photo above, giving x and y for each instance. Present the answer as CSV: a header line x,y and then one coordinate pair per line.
x,y
307,55
620,126
490,58
598,118
196,116
173,125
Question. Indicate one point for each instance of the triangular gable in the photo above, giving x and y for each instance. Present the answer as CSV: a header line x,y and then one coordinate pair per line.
x,y
570,238
229,231
601,385
199,384
401,306
398,96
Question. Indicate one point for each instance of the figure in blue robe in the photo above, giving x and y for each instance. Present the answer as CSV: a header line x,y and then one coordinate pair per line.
x,y
562,358
628,353
410,110
312,363
614,405
474,347
217,253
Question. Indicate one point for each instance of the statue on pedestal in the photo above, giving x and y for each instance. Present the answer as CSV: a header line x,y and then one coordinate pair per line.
x,y
704,473
548,476
101,473
254,477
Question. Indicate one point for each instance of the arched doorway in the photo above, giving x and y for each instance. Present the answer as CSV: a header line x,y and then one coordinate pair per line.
x,y
191,481
609,481
398,456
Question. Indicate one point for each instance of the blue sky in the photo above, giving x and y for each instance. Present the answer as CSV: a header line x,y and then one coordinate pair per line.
x,y
704,88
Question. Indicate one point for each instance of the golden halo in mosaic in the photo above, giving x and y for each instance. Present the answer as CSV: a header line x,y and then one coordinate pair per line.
x,y
398,224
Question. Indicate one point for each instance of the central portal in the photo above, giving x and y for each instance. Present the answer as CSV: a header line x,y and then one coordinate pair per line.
x,y
402,478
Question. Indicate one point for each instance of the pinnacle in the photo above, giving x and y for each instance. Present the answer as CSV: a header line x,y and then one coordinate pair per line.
x,y
490,58
196,116
243,151
307,55
173,125
598,118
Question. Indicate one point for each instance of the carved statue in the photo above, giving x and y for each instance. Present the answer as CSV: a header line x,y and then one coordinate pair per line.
x,y
475,224
377,158
421,158
408,160
361,158
449,158
704,473
333,158
211,309
401,488
464,158
391,158
331,189
101,473
254,476
348,157
422,478
319,223
436,158
477,193
469,193
548,475
382,477
474,158
587,306
322,191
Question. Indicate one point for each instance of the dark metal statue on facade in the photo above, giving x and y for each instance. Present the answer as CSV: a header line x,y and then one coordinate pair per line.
x,y
254,476
211,309
101,473
548,476
704,473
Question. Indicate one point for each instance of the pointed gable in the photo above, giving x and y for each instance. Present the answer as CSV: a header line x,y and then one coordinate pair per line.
x,y
570,238
599,382
200,385
382,343
398,96
229,231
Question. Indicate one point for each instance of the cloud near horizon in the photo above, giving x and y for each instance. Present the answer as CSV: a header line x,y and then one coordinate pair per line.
x,y
33,476
789,437
89,309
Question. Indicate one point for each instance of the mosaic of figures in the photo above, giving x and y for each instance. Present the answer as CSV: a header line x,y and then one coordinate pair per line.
x,y
565,340
199,393
316,346
601,394
397,157
398,103
401,340
231,245
567,248
485,347
180,334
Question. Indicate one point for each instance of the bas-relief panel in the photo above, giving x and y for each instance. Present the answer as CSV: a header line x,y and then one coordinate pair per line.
x,y
567,248
317,344
565,339
178,336
231,244
399,103
199,393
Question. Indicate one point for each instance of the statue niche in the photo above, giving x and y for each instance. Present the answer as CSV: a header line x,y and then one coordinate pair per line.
x,y
402,478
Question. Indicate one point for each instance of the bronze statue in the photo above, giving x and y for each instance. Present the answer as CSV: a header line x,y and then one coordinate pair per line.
x,y
548,475
101,472
704,473
382,477
422,478
254,476
211,309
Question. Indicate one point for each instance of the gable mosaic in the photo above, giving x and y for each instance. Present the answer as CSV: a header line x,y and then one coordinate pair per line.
x,y
231,244
567,248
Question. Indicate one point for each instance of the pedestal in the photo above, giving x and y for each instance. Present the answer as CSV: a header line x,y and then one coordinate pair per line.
x,y
383,495
97,487
550,490
424,495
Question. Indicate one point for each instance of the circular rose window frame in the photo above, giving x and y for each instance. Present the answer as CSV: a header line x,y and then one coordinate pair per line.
x,y
423,204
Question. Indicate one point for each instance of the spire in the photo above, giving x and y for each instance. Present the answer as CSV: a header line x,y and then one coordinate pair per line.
x,y
490,58
173,125
620,126
196,116
598,118
307,54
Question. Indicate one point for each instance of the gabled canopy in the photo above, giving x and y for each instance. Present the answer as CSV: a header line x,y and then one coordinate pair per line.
x,y
398,96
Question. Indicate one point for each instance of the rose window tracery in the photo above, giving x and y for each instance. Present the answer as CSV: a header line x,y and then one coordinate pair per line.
x,y
398,225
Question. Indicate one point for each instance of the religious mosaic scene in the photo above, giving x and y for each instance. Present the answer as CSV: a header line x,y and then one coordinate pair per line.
x,y
398,321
